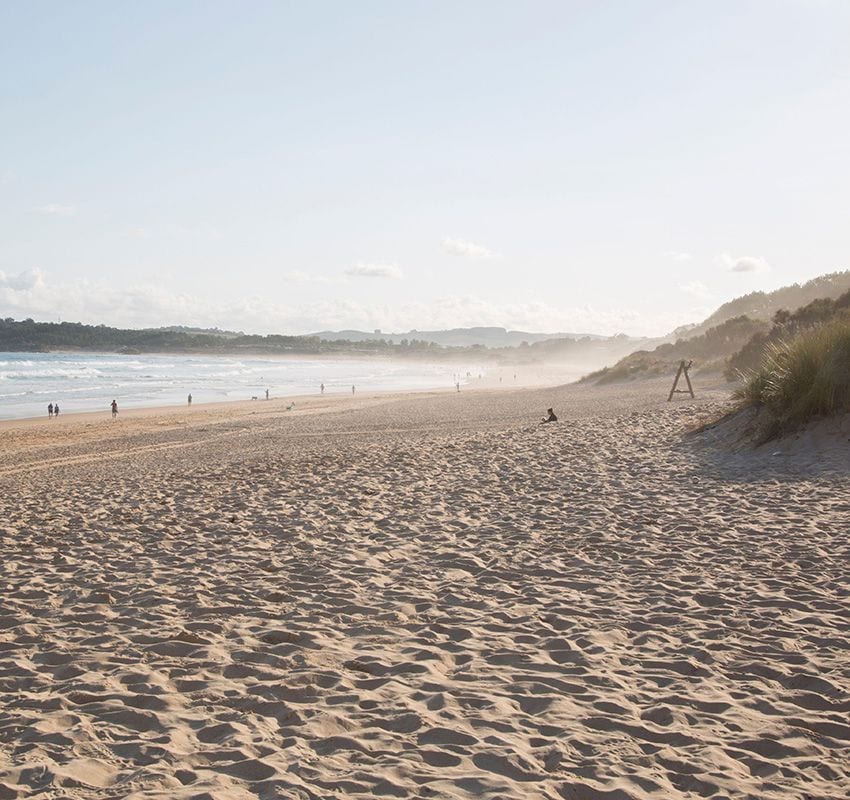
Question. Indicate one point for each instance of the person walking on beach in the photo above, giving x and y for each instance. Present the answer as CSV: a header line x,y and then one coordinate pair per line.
x,y
114,409
267,394
322,389
190,398
50,410
352,390
56,409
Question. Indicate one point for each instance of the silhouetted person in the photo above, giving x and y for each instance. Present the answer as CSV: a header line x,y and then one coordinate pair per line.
x,y
322,389
352,390
50,410
267,394
56,409
114,409
190,399
552,416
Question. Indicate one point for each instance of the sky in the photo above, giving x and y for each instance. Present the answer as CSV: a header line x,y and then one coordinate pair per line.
x,y
290,167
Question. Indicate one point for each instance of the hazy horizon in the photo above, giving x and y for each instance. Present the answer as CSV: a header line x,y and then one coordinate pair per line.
x,y
549,166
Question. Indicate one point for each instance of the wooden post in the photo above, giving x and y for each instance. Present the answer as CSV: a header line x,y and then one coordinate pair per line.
x,y
688,378
683,370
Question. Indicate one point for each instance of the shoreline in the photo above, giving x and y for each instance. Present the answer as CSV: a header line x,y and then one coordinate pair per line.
x,y
226,407
495,379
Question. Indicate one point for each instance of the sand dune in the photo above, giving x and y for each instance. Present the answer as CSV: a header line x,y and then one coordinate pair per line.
x,y
428,596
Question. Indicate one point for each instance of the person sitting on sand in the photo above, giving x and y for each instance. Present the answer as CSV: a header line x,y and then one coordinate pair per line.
x,y
114,409
551,418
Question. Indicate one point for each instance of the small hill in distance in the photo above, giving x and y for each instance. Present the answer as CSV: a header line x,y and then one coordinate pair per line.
x,y
493,337
200,331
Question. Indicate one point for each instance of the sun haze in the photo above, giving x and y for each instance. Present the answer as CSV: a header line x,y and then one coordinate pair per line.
x,y
279,167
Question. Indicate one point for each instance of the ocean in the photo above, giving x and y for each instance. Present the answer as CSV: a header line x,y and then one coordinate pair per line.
x,y
90,381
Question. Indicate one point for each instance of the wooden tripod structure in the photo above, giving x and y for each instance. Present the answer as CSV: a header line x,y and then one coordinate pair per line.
x,y
683,370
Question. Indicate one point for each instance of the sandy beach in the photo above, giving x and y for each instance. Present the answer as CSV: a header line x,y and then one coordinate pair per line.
x,y
424,596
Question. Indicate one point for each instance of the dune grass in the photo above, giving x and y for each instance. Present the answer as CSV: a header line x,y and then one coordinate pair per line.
x,y
801,379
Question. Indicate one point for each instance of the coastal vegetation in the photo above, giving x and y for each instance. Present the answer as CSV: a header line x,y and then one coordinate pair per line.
x,y
764,305
30,336
735,344
710,351
800,379
34,337
786,324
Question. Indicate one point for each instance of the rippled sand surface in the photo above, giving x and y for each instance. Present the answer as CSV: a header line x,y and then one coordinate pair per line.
x,y
427,596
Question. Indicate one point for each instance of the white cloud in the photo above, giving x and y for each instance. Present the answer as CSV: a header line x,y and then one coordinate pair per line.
x,y
31,294
361,270
23,281
299,276
465,249
697,289
59,210
742,263
678,257
194,232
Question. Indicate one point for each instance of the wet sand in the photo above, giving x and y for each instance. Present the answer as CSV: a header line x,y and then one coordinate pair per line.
x,y
424,596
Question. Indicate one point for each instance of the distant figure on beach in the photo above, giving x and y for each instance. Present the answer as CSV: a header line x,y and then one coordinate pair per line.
x,y
458,385
50,410
322,389
551,418
114,409
190,398
352,390
56,409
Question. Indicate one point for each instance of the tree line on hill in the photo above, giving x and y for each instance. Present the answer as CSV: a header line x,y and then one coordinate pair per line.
x,y
30,336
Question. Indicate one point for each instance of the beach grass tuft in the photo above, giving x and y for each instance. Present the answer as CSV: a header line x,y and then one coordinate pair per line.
x,y
801,379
